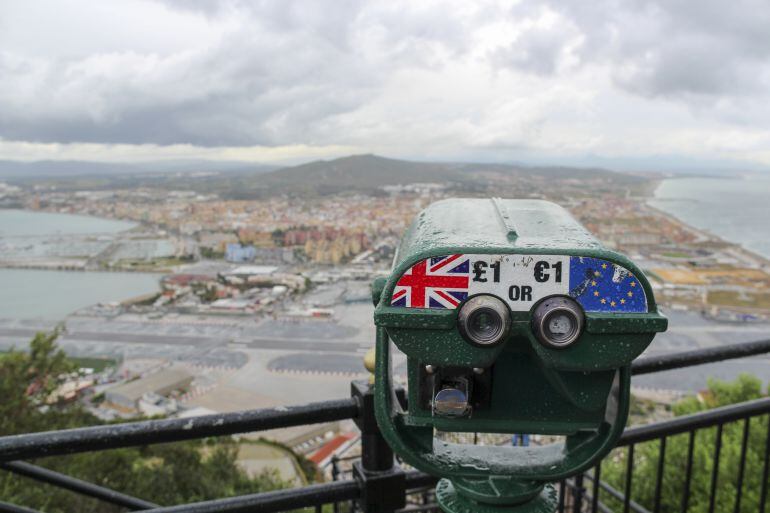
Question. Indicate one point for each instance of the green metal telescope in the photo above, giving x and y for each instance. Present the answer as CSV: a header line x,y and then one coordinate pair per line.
x,y
514,319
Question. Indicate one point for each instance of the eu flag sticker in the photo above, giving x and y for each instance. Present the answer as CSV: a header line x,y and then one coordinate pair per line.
x,y
601,286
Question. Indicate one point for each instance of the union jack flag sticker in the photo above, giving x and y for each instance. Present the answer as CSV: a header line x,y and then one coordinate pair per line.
x,y
437,282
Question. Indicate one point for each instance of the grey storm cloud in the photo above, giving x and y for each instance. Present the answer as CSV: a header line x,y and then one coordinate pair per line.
x,y
249,89
670,48
277,73
276,79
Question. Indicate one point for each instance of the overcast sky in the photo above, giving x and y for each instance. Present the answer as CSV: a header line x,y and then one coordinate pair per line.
x,y
627,83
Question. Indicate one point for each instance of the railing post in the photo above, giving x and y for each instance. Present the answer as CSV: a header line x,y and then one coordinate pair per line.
x,y
382,482
335,477
577,494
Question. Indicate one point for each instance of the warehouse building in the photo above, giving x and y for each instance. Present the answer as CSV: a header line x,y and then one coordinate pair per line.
x,y
126,396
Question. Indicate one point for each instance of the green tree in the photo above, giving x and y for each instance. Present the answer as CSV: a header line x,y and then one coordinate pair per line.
x,y
166,473
211,253
645,464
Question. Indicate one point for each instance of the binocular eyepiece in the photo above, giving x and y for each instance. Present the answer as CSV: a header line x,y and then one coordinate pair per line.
x,y
485,320
557,322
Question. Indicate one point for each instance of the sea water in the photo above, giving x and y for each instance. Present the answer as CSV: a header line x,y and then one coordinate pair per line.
x,y
734,209
51,295
23,223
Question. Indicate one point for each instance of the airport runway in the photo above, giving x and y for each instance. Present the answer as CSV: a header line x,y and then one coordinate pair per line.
x,y
209,342
196,341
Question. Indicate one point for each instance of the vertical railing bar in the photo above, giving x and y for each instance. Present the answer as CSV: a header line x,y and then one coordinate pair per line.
x,y
577,494
742,464
335,477
715,470
597,487
688,473
659,478
629,474
562,493
765,470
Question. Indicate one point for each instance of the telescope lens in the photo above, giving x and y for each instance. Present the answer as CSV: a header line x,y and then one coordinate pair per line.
x,y
483,320
560,324
557,322
484,324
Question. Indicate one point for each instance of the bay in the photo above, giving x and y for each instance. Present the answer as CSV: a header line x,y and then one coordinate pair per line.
x,y
734,209
23,223
51,294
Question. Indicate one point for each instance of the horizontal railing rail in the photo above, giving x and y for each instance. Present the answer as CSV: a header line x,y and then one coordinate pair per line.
x,y
111,436
671,361
51,443
694,421
279,500
292,498
73,484
615,494
7,507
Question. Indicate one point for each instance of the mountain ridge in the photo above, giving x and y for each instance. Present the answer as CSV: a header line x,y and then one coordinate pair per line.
x,y
366,173
64,168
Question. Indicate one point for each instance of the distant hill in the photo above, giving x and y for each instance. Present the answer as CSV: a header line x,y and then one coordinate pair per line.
x,y
62,168
14,169
369,172
202,175
357,173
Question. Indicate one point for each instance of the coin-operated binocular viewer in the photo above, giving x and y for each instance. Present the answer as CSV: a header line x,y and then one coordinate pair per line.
x,y
513,319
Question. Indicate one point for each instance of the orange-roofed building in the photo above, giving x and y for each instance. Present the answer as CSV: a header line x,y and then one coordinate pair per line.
x,y
330,448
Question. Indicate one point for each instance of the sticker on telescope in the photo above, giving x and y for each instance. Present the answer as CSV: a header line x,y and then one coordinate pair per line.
x,y
520,280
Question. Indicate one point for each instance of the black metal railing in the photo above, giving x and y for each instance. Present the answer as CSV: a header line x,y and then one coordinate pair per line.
x,y
576,497
380,485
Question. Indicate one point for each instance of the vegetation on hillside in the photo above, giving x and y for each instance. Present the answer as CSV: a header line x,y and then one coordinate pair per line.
x,y
645,464
166,474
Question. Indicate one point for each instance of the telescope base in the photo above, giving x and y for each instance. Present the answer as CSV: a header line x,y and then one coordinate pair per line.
x,y
451,501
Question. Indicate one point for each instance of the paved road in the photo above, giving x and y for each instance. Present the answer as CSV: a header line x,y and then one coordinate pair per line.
x,y
101,336
306,345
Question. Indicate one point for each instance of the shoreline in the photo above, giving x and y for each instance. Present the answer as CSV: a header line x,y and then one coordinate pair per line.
x,y
748,253
135,224
64,267
654,184
122,228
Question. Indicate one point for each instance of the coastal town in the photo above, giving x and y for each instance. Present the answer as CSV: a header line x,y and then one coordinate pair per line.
x,y
179,232
266,302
